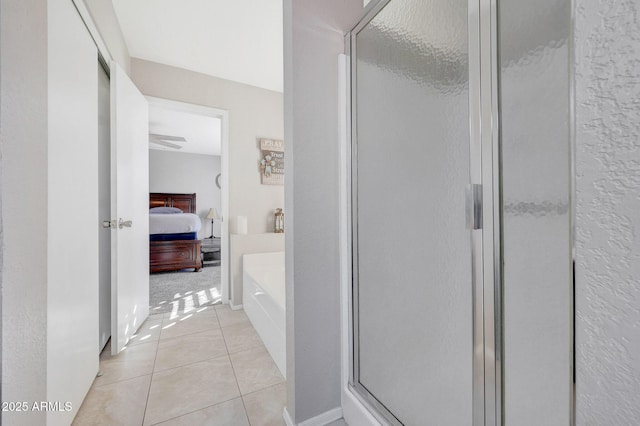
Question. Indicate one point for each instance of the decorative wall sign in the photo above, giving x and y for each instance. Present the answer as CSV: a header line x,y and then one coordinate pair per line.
x,y
272,161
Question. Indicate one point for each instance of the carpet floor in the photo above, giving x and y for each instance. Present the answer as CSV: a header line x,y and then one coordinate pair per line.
x,y
184,291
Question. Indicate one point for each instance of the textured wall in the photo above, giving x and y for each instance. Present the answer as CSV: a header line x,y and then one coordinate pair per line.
x,y
607,48
23,131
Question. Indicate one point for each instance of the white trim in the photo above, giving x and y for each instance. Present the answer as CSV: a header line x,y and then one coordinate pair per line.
x,y
82,9
344,209
287,417
225,253
187,107
235,307
319,420
354,411
223,115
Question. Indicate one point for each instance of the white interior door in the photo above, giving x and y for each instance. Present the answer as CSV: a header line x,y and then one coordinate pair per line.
x,y
129,207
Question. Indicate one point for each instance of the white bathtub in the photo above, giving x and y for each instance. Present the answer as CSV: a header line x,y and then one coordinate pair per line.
x,y
263,299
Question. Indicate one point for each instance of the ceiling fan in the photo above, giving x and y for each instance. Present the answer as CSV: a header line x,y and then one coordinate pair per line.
x,y
166,140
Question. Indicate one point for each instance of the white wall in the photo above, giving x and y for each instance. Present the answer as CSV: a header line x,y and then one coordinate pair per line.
x,y
23,131
178,172
253,113
313,39
607,50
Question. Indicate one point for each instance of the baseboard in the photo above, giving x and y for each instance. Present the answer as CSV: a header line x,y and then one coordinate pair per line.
x,y
287,417
319,420
355,412
235,307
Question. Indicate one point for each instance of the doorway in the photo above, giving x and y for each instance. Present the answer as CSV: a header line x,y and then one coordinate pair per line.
x,y
189,154
462,305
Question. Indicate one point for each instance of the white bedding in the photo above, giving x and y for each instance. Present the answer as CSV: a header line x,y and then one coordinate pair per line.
x,y
174,223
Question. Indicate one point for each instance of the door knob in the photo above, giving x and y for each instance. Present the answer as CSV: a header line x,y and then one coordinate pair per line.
x,y
124,223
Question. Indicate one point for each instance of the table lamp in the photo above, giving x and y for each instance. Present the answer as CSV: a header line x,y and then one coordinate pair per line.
x,y
213,214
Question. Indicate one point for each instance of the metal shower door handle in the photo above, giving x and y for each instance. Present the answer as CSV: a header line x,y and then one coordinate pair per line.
x,y
474,206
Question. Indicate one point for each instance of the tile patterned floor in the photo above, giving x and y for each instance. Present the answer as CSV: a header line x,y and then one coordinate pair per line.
x,y
203,368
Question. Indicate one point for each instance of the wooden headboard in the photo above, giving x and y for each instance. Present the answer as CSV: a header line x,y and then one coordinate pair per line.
x,y
185,202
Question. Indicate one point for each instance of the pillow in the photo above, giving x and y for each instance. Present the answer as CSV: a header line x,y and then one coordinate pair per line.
x,y
164,210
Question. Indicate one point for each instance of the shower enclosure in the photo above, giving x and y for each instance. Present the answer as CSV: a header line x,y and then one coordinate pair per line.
x,y
462,298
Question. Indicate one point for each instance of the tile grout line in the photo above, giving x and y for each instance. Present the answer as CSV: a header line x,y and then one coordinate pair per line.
x,y
151,380
95,385
186,334
121,380
244,407
192,363
196,313
199,409
265,388
201,307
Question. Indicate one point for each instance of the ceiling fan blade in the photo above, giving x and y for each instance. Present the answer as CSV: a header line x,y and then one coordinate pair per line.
x,y
165,143
167,137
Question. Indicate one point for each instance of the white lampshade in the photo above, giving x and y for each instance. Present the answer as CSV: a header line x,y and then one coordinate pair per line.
x,y
213,214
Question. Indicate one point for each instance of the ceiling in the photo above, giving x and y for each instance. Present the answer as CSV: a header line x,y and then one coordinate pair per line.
x,y
202,133
238,40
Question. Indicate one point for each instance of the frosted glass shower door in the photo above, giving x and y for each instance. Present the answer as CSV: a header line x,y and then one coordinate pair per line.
x,y
537,277
412,253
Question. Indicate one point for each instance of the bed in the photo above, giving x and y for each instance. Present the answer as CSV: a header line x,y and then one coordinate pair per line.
x,y
170,250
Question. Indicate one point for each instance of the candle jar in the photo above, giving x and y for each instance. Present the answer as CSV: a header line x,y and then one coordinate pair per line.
x,y
279,221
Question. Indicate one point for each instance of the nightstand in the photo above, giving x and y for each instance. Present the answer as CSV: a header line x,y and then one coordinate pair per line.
x,y
210,251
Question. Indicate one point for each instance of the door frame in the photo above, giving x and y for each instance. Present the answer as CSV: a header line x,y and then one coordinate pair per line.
x,y
485,242
223,115
104,66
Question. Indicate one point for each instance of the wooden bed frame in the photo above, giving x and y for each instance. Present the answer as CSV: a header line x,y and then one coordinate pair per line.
x,y
178,254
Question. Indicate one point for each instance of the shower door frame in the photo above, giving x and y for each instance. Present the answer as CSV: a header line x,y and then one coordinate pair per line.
x,y
484,149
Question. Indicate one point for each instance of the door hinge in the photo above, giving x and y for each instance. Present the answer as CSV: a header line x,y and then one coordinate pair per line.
x,y
474,206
